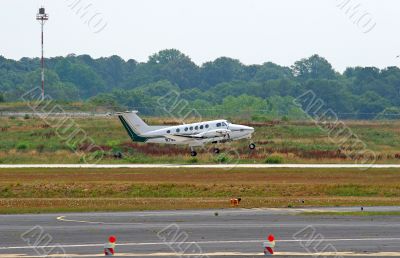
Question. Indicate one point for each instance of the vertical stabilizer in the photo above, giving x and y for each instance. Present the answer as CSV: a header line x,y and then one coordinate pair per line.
x,y
134,125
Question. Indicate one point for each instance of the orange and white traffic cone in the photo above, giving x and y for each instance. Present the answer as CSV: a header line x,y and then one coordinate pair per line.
x,y
269,245
109,248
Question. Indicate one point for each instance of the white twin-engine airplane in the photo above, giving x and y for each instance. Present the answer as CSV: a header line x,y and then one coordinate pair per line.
x,y
194,135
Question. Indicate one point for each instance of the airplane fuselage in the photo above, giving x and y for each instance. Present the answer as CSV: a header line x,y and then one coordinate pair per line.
x,y
193,135
197,134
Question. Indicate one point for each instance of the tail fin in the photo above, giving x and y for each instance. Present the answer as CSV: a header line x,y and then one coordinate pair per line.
x,y
134,125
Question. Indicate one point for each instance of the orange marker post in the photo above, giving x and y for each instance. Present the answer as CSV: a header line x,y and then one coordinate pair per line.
x,y
109,248
269,245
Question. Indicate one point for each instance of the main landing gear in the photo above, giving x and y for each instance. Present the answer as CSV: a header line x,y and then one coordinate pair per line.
x,y
216,150
193,153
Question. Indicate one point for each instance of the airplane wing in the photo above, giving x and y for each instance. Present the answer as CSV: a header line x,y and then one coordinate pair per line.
x,y
182,138
205,135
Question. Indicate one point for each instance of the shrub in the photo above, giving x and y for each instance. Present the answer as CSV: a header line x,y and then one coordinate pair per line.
x,y
22,146
193,160
137,158
26,117
73,146
221,158
113,143
274,160
99,154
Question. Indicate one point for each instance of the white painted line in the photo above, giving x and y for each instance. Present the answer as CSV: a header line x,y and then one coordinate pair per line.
x,y
226,225
238,211
201,166
62,218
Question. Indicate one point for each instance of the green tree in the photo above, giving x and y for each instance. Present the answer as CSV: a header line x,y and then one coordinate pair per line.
x,y
333,93
88,82
174,66
223,69
106,100
243,105
314,67
223,83
370,105
271,71
54,87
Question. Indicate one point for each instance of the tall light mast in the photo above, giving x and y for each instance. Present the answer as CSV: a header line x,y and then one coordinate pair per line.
x,y
42,17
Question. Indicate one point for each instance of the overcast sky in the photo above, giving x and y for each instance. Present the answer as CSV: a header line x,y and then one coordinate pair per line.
x,y
253,31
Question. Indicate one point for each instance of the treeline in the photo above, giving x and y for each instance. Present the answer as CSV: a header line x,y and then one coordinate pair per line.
x,y
223,85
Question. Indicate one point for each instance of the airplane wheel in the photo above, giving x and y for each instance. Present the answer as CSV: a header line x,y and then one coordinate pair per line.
x,y
193,154
216,150
252,146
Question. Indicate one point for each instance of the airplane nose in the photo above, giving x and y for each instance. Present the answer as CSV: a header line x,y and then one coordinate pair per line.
x,y
242,128
250,128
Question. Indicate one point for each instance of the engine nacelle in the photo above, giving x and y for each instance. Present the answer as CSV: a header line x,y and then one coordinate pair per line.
x,y
215,133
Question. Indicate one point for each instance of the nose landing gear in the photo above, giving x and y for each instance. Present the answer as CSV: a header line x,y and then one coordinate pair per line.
x,y
252,146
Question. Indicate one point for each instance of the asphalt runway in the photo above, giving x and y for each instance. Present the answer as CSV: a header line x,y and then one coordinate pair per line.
x,y
208,233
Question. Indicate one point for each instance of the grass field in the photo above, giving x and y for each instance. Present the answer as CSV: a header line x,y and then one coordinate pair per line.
x,y
67,190
32,140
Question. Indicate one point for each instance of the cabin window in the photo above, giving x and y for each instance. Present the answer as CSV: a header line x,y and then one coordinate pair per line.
x,y
186,129
191,128
169,131
178,130
218,124
196,128
207,126
201,127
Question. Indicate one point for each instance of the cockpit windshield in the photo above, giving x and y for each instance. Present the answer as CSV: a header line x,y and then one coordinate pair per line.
x,y
224,124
